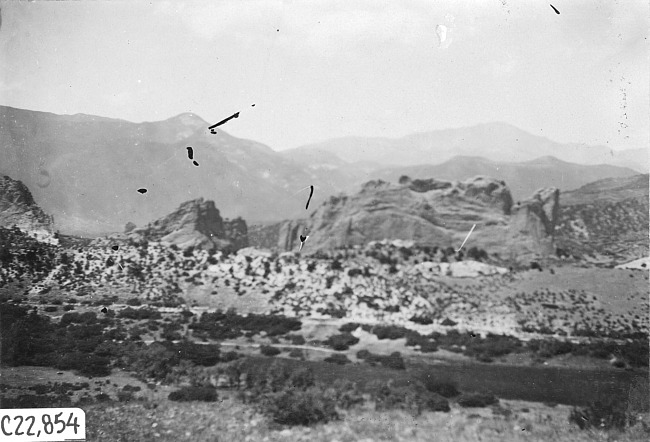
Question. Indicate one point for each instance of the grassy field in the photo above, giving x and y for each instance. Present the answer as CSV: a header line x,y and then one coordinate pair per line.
x,y
229,420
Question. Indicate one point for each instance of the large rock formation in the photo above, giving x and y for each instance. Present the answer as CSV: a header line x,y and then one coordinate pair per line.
x,y
533,222
432,212
17,208
196,223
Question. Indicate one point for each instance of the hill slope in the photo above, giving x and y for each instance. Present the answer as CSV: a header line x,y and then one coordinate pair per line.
x,y
607,219
86,170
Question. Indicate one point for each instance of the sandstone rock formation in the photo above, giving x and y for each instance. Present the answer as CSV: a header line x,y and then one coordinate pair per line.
x,y
17,208
196,223
532,224
429,211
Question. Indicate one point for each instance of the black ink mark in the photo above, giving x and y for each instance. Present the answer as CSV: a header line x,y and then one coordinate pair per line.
x,y
104,310
142,191
235,115
311,192
555,9
302,241
190,155
116,248
253,105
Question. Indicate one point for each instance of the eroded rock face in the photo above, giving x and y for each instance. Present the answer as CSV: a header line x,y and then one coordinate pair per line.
x,y
196,223
430,211
533,222
17,208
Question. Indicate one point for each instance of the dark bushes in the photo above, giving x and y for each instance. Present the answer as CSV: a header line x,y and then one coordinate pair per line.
x,y
230,325
606,414
306,407
476,400
411,398
205,394
139,313
341,342
443,388
390,332
269,350
337,358
394,360
349,327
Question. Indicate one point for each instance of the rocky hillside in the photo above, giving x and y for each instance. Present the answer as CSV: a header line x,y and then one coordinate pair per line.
x,y
196,223
17,208
523,178
606,220
429,212
86,170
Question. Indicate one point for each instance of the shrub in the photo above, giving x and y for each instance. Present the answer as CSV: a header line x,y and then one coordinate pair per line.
x,y
337,358
341,342
124,396
205,394
390,332
424,320
296,353
394,360
349,327
477,400
296,339
443,388
51,308
437,402
140,313
268,350
133,302
302,407
607,414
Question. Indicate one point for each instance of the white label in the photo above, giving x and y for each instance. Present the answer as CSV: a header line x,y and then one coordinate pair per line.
x,y
42,424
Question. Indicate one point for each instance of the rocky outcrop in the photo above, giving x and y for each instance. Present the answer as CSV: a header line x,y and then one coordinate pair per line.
x,y
433,212
196,223
17,208
428,212
533,222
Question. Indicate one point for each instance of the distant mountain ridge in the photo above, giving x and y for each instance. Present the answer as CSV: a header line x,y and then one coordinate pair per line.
x,y
523,178
86,170
498,142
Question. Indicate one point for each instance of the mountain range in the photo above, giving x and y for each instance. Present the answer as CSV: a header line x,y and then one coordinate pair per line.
x,y
498,142
93,174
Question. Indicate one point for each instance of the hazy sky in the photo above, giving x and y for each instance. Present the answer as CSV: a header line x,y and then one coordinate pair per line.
x,y
323,69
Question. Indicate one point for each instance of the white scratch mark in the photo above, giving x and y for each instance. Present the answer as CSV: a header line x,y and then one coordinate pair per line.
x,y
470,232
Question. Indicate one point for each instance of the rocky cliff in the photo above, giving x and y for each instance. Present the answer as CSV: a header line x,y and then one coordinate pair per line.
x,y
196,223
427,211
532,224
17,208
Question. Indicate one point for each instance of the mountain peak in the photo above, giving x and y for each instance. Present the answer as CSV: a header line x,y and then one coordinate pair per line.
x,y
188,119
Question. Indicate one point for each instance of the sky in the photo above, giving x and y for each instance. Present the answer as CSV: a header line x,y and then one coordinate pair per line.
x,y
317,70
